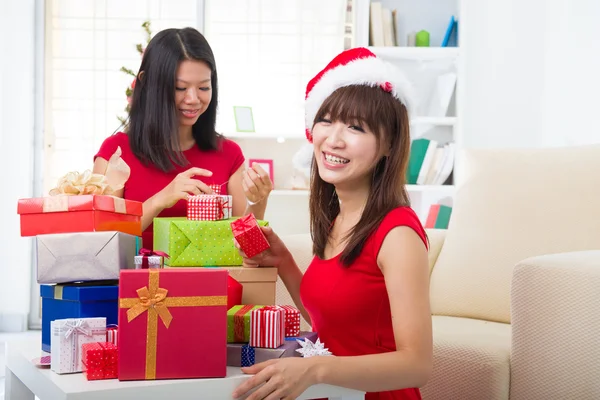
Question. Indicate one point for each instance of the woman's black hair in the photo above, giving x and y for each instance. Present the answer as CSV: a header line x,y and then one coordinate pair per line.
x,y
153,126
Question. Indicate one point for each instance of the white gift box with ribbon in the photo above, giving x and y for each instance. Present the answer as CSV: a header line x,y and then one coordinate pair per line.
x,y
67,337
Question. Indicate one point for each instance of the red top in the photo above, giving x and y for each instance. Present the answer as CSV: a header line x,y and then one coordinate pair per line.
x,y
145,181
349,307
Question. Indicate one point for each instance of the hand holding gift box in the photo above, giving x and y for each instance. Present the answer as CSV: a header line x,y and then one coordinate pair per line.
x,y
99,360
248,235
84,202
150,259
68,336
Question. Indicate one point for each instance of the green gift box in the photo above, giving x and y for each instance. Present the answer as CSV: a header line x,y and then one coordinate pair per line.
x,y
238,323
197,243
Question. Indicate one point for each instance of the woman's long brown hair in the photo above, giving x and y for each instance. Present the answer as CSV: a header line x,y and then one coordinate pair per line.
x,y
388,119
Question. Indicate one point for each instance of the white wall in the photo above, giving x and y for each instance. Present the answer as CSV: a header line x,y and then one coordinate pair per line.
x,y
530,74
17,20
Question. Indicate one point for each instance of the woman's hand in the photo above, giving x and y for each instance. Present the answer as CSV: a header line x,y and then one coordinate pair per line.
x,y
257,184
272,257
182,186
281,378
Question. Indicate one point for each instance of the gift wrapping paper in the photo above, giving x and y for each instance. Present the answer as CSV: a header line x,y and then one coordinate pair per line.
x,y
150,259
244,355
292,321
83,213
196,243
267,327
100,360
247,232
83,256
112,334
172,324
205,207
238,323
68,335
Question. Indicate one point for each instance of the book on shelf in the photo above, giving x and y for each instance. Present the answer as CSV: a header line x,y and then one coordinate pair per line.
x,y
438,217
382,26
429,163
451,37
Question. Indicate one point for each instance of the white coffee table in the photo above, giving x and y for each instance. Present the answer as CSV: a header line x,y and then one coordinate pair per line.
x,y
24,380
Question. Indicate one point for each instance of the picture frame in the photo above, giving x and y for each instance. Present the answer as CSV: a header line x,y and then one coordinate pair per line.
x,y
266,164
244,119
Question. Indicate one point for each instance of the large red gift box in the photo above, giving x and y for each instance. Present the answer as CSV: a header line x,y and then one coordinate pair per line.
x,y
172,324
249,235
84,213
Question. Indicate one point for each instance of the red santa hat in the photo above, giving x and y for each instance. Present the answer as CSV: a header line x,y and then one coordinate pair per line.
x,y
358,66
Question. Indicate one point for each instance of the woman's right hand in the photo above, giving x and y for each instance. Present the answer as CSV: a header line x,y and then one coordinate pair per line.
x,y
182,186
274,256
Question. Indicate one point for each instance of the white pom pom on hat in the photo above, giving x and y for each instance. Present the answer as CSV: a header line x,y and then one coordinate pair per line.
x,y
358,66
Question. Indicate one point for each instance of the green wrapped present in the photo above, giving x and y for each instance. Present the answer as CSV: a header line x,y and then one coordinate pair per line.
x,y
238,323
197,243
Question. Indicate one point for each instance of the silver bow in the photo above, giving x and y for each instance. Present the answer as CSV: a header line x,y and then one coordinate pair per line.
x,y
76,326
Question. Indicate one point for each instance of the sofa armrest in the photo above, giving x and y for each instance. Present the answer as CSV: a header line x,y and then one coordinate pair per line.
x,y
555,315
436,241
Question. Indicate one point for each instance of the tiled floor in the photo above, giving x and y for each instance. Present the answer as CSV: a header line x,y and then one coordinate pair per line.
x,y
4,337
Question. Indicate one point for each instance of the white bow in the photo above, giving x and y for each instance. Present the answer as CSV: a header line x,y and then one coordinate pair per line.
x,y
76,326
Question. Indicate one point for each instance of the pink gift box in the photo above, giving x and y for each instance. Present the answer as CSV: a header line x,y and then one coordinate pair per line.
x,y
267,327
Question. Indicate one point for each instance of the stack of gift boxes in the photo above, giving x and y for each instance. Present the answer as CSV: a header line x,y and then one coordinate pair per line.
x,y
112,309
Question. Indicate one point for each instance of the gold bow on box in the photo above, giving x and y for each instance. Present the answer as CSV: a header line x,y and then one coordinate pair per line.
x,y
74,183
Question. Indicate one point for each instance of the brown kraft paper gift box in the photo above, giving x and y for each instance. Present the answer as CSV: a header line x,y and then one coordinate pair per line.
x,y
259,284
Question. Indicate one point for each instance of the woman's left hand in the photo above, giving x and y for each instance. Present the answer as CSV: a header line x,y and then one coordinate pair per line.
x,y
281,378
256,183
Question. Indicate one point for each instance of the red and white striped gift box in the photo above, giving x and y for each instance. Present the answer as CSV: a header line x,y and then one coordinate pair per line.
x,y
292,321
267,327
205,207
111,334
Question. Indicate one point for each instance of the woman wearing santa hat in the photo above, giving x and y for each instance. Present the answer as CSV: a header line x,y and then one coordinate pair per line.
x,y
366,291
171,144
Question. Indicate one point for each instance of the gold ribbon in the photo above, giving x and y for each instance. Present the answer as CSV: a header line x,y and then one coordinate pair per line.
x,y
156,302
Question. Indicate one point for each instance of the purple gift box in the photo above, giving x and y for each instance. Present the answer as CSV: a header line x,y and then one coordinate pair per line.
x,y
240,354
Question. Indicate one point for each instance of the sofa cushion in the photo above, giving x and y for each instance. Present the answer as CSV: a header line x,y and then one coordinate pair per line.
x,y
471,360
511,205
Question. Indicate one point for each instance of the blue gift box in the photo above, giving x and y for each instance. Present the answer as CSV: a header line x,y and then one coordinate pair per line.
x,y
77,300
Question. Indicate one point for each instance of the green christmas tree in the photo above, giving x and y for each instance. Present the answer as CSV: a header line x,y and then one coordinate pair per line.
x,y
129,91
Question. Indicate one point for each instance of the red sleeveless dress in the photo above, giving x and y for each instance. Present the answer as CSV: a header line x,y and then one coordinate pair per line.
x,y
349,307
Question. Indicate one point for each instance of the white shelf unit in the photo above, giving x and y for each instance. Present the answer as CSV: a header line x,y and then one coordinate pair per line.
x,y
422,65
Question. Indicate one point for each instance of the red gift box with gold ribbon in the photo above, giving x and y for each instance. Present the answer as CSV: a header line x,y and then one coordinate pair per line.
x,y
85,213
172,324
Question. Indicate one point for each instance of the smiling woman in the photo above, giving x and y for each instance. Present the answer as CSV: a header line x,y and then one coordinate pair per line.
x,y
170,142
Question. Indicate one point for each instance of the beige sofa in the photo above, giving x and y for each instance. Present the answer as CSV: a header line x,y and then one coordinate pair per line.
x,y
515,280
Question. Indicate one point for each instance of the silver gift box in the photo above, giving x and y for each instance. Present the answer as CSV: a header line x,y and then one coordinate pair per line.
x,y
83,256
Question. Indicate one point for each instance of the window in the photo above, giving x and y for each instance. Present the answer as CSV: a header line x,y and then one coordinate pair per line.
x,y
87,42
266,51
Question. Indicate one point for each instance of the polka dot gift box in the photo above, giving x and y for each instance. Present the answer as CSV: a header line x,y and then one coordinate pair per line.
x,y
247,232
197,243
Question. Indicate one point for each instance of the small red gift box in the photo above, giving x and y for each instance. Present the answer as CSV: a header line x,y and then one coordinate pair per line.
x,y
292,321
172,324
99,360
267,327
249,236
83,213
205,207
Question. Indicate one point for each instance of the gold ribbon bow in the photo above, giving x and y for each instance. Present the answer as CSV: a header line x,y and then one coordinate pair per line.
x,y
156,302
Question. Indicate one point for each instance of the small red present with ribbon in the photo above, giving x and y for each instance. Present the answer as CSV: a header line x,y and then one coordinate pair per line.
x,y
249,235
150,259
267,327
292,321
206,207
100,360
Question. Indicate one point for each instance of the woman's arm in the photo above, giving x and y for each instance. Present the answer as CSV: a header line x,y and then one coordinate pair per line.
x,y
240,203
403,261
